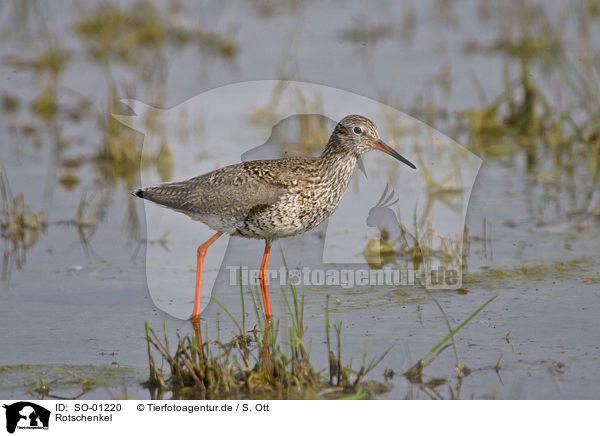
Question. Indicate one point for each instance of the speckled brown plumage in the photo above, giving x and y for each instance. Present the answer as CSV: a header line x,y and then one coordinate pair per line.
x,y
270,199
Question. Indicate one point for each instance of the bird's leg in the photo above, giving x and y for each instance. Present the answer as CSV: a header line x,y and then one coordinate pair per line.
x,y
201,253
266,343
198,333
262,278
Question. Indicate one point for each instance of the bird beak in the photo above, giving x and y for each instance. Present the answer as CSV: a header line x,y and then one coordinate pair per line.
x,y
382,146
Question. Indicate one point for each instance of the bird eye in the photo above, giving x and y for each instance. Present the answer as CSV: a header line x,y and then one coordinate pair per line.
x,y
358,130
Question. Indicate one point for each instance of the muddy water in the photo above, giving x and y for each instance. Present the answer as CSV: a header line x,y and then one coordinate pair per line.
x,y
75,301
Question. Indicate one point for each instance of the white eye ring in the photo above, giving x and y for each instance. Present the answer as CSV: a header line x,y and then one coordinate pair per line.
x,y
358,130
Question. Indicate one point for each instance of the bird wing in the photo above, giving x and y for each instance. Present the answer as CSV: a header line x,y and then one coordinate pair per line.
x,y
233,192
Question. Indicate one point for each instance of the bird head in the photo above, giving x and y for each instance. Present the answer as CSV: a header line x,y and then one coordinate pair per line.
x,y
359,135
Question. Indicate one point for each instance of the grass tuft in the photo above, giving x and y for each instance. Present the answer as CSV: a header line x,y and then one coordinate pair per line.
x,y
257,363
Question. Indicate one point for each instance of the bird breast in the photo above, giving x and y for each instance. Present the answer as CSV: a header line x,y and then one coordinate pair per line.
x,y
303,206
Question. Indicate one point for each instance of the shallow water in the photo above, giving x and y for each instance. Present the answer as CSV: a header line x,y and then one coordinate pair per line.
x,y
85,304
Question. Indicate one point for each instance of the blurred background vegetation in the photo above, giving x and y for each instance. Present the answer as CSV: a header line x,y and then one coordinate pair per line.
x,y
517,82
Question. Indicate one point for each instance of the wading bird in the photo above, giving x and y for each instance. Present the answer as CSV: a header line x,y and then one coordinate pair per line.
x,y
271,199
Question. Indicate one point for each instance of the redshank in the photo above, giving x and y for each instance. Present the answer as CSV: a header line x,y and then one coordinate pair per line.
x,y
271,199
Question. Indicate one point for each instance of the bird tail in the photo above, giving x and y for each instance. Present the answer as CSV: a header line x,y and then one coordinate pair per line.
x,y
173,195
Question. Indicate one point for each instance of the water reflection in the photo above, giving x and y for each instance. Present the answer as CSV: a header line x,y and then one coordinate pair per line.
x,y
20,228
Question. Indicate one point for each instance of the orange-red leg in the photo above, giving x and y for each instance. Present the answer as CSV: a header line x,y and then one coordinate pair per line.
x,y
201,253
262,278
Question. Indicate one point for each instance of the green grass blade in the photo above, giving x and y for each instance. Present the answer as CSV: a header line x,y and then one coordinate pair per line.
x,y
237,324
457,329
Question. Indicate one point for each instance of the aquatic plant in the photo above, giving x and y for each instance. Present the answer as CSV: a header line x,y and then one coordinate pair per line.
x,y
131,35
19,226
255,363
